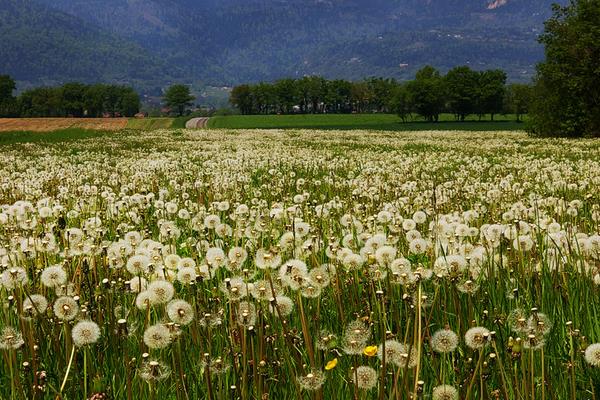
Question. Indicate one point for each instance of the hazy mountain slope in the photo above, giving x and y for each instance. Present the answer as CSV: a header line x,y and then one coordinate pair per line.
x,y
41,45
230,41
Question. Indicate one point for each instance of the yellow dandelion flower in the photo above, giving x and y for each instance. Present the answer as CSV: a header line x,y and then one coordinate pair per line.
x,y
370,351
331,364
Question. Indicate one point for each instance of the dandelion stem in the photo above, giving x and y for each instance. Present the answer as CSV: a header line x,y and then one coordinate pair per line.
x,y
479,361
418,339
68,369
85,389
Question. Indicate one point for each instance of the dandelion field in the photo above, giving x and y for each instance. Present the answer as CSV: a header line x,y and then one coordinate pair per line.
x,y
181,264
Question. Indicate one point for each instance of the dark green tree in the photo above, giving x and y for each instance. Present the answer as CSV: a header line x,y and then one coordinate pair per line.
x,y
400,102
428,93
264,98
492,84
383,90
41,102
94,100
361,95
129,103
338,97
7,100
178,97
241,98
567,86
287,94
73,99
462,84
517,98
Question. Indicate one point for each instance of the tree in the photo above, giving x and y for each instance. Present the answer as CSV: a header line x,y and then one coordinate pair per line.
x,y
264,98
94,100
517,99
427,93
241,98
41,102
129,103
462,84
400,102
73,99
338,96
7,100
567,85
492,85
316,91
361,95
286,91
383,90
178,97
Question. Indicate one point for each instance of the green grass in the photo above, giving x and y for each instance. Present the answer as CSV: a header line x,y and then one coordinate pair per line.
x,y
388,122
151,123
61,135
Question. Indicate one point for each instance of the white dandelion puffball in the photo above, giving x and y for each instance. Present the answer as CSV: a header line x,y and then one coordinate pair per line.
x,y
85,332
592,354
157,336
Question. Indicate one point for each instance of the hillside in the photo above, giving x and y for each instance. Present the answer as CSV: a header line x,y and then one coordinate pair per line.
x,y
44,46
230,41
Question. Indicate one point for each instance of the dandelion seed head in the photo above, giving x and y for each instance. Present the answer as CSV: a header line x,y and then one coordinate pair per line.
x,y
138,284
161,291
234,288
517,320
180,311
14,277
85,333
444,392
35,304
144,299
592,354
246,314
477,338
157,336
312,381
444,341
53,276
539,324
364,377
186,275
10,339
154,371
138,264
66,308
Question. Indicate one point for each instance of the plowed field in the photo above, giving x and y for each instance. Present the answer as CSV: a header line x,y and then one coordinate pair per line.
x,y
51,124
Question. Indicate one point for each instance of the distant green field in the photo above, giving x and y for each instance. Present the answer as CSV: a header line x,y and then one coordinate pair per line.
x,y
150,123
388,122
56,136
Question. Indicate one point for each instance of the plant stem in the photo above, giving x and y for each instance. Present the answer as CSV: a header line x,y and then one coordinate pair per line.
x,y
68,369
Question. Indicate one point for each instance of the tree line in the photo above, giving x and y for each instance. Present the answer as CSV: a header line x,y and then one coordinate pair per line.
x,y
69,100
462,92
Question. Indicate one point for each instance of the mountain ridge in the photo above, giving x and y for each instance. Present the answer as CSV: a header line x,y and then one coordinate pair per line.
x,y
226,42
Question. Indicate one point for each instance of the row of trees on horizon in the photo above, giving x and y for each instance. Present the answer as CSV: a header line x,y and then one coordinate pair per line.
x,y
462,92
69,100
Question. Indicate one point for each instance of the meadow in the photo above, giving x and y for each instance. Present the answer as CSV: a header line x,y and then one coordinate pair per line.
x,y
388,122
299,264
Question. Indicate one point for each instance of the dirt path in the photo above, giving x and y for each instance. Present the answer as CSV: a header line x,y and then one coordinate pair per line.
x,y
197,123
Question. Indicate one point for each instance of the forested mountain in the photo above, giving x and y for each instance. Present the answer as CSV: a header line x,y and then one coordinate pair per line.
x,y
44,46
231,41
